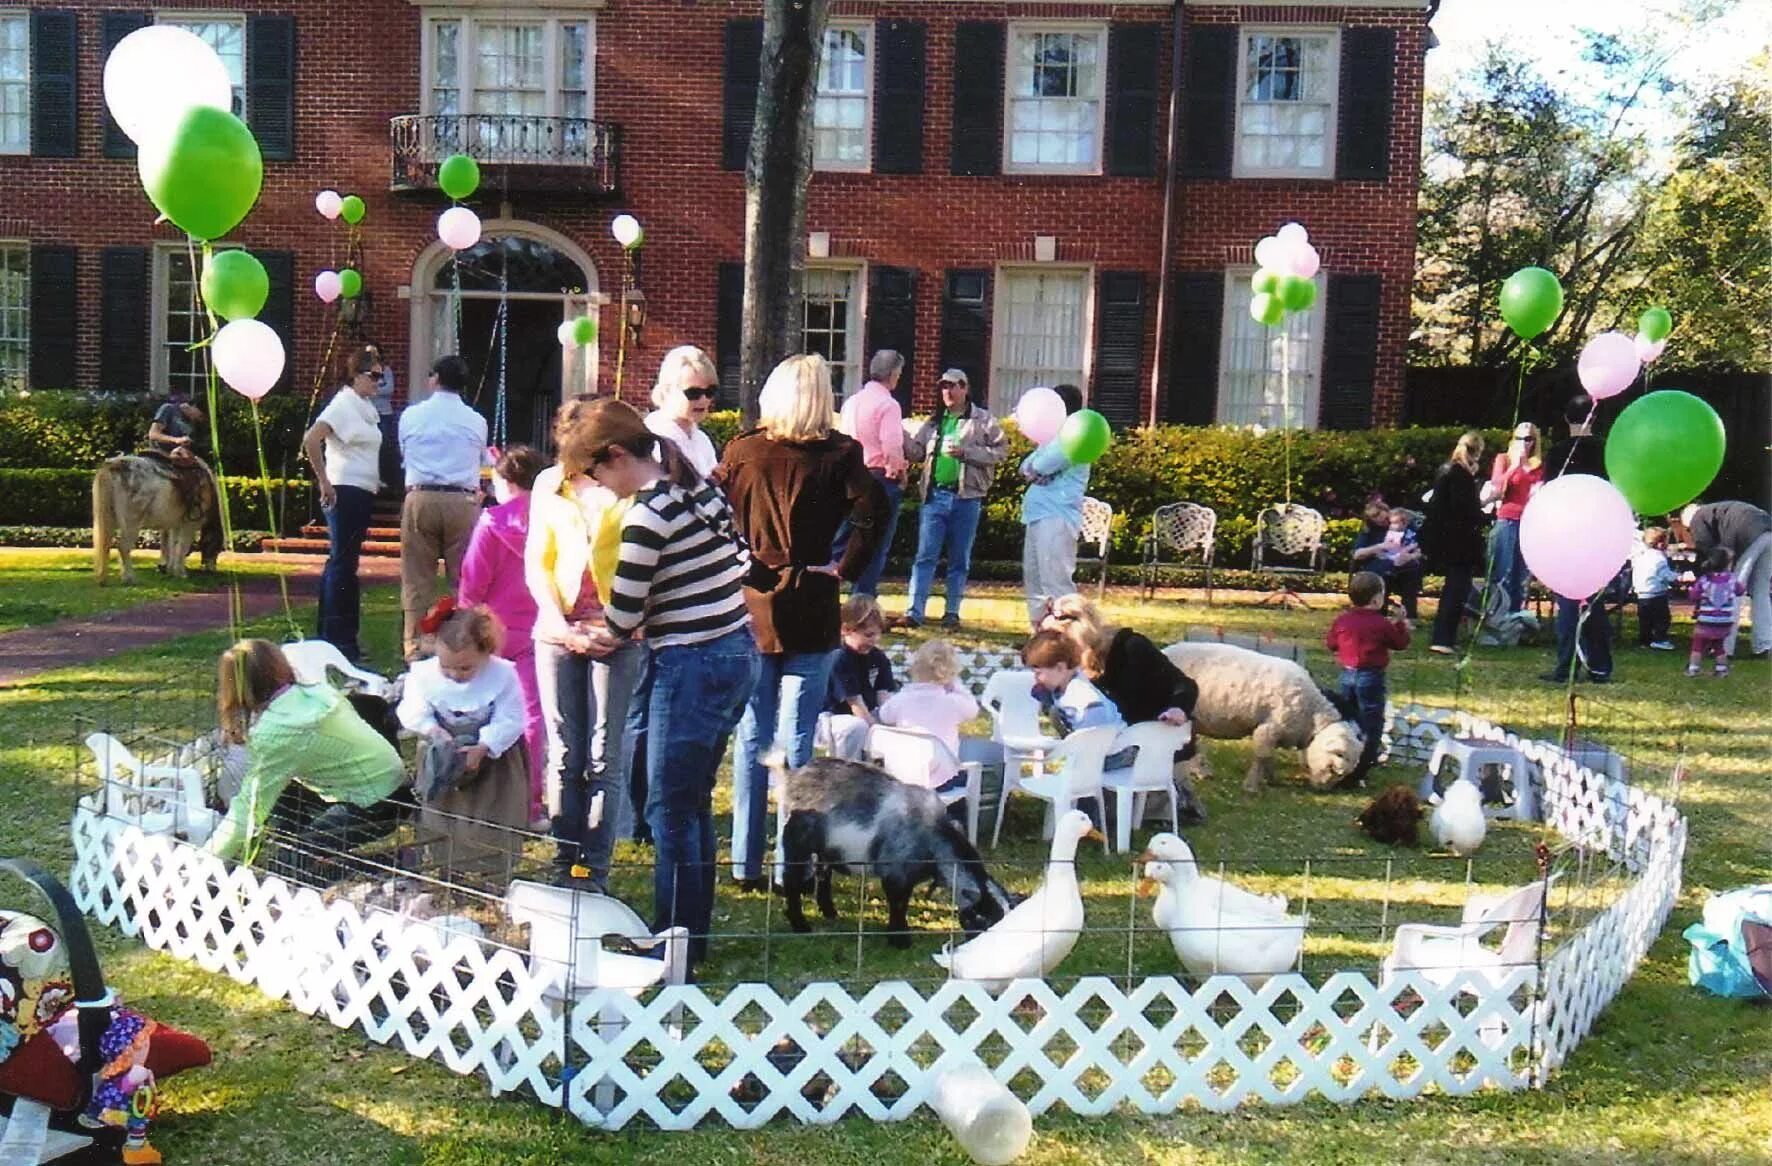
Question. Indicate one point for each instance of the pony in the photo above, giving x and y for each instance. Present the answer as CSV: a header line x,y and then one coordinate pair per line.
x,y
132,492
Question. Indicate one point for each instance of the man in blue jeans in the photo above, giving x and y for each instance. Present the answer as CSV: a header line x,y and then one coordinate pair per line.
x,y
959,447
873,417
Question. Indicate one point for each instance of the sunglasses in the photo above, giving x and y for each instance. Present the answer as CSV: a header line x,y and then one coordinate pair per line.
x,y
953,384
699,394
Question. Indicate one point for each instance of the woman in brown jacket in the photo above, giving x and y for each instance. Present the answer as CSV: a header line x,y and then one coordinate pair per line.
x,y
791,482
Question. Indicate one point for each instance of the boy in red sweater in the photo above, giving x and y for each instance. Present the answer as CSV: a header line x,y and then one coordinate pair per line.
x,y
1362,638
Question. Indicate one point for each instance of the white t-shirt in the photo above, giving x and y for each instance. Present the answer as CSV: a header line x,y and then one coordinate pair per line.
x,y
428,692
695,445
353,448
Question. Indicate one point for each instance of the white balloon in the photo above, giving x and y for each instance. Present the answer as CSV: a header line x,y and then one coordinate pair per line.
x,y
329,203
328,286
159,73
565,336
248,355
1293,233
1270,252
626,229
459,228
1303,260
1649,351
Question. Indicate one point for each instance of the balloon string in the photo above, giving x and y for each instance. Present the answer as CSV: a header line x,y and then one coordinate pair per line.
x,y
274,517
1286,406
236,606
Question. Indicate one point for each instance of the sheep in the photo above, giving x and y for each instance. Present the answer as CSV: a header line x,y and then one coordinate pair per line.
x,y
1248,694
842,815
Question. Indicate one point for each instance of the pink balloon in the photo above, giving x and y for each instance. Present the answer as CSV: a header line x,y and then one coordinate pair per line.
x,y
459,228
1302,260
328,203
1608,365
1575,533
1293,233
1649,351
328,286
1040,413
248,355
1270,252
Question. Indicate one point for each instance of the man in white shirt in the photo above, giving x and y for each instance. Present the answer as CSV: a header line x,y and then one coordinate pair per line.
x,y
344,448
443,444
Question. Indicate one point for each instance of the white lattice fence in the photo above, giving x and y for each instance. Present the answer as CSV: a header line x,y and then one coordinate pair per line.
x,y
977,665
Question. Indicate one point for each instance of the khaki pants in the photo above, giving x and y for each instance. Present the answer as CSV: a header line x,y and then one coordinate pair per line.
x,y
434,524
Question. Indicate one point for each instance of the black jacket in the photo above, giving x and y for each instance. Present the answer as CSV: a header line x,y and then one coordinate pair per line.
x,y
1141,681
1452,533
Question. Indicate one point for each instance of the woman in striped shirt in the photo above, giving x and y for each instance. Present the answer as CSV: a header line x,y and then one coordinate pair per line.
x,y
680,578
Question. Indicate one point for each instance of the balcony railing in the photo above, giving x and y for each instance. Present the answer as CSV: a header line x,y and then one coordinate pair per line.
x,y
516,151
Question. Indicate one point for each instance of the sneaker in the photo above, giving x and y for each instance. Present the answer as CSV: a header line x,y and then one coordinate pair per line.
x,y
950,622
1722,669
1442,650
1662,646
1691,670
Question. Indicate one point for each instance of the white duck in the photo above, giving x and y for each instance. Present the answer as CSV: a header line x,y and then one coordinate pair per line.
x,y
1216,927
1171,848
1036,935
1457,821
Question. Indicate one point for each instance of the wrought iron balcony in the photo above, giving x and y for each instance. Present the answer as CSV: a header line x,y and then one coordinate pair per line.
x,y
516,152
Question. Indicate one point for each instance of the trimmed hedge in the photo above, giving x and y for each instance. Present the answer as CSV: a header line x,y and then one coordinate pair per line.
x,y
69,430
245,541
63,498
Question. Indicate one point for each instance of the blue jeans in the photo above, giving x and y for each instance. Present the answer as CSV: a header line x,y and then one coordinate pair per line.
x,y
869,583
637,710
341,598
784,706
1364,687
1509,566
698,694
585,702
1596,638
947,523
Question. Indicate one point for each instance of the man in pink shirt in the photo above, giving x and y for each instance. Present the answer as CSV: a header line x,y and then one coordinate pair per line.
x,y
873,417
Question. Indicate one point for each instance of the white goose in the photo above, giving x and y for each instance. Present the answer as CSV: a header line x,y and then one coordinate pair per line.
x,y
1457,821
1036,935
1217,927
1171,848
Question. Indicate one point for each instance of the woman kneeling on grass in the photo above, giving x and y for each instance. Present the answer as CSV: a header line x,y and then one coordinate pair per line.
x,y
680,579
318,772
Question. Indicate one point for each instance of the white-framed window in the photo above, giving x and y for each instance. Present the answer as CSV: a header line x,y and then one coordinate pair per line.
x,y
842,110
225,32
15,315
1054,95
831,324
1041,331
1251,387
177,324
15,82
1286,103
509,72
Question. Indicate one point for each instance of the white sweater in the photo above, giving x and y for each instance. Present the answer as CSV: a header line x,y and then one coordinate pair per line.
x,y
429,692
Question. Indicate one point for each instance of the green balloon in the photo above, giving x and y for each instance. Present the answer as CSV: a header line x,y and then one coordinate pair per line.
x,y
234,284
352,210
1531,300
1265,279
1084,436
459,176
1664,449
205,175
1297,293
1655,324
350,283
584,330
1266,308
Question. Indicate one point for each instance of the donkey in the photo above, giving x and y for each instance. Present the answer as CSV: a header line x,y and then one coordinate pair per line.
x,y
133,492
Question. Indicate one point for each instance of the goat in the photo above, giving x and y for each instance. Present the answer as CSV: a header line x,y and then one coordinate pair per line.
x,y
842,815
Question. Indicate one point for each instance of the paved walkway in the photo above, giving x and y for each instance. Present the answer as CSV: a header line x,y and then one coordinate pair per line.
x,y
29,652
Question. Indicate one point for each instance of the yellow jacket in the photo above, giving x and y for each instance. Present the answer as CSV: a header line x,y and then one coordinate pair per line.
x,y
559,548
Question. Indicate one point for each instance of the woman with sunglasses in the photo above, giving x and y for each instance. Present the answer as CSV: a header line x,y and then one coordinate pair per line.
x,y
687,385
1517,472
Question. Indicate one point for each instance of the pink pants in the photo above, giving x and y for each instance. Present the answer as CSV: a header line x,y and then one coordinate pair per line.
x,y
535,733
1711,640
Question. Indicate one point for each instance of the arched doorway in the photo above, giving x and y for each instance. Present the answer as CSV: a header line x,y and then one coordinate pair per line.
x,y
499,304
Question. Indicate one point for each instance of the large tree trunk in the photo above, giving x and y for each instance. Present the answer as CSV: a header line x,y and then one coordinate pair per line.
x,y
777,174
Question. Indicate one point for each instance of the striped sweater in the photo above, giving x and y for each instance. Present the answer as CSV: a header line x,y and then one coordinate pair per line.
x,y
682,567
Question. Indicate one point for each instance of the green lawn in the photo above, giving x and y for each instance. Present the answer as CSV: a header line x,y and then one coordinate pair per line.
x,y
42,585
1669,1075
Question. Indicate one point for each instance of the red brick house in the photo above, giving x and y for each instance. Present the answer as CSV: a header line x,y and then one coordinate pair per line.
x,y
994,191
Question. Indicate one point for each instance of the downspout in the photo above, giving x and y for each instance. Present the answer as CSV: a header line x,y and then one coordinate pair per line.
x,y
1169,167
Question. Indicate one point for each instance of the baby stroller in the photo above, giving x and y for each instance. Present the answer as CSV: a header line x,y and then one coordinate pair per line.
x,y
77,1070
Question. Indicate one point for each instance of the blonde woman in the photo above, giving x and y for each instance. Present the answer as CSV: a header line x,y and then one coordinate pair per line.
x,y
1517,472
792,482
1129,669
687,384
1452,536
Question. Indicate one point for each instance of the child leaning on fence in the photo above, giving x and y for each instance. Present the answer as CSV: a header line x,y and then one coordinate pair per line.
x,y
1716,606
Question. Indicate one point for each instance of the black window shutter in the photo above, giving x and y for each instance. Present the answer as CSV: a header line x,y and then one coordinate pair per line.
x,y
977,146
1132,100
729,332
52,316
1193,347
123,315
1119,345
270,85
892,320
113,27
53,55
899,97
1209,78
279,309
1368,72
966,329
744,63
1350,351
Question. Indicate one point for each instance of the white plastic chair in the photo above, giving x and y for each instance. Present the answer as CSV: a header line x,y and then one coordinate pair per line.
x,y
1015,726
1073,772
1178,528
566,933
313,659
158,798
915,758
1151,772
1098,532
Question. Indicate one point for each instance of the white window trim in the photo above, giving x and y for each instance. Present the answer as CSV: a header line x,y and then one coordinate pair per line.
x,y
866,29
1332,124
30,324
219,16
159,293
1312,409
1025,28
855,325
24,148
1000,316
549,18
